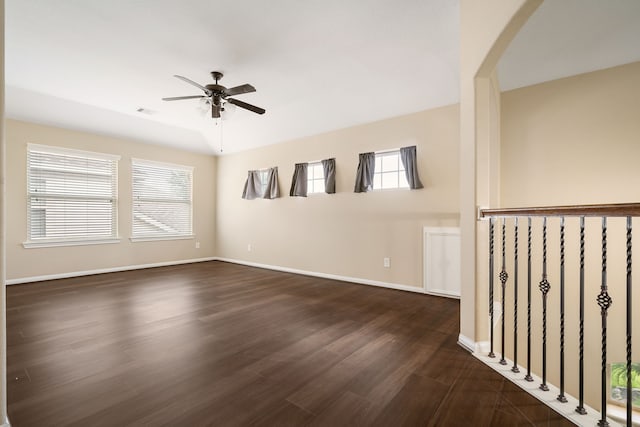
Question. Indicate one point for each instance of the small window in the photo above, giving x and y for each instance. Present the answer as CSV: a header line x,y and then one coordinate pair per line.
x,y
72,196
315,178
389,171
162,201
261,184
618,384
264,181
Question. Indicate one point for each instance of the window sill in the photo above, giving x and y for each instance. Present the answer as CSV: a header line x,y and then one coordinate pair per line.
x,y
157,238
391,189
620,414
55,243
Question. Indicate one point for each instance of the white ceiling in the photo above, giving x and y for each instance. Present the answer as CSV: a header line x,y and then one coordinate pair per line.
x,y
317,65
568,37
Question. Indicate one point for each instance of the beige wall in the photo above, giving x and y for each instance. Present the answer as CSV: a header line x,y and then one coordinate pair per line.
x,y
574,141
345,234
26,263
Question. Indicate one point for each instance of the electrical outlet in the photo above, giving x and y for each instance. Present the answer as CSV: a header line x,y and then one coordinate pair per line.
x,y
249,247
197,245
386,262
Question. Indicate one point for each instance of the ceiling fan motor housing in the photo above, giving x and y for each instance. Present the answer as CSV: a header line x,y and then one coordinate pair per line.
x,y
216,88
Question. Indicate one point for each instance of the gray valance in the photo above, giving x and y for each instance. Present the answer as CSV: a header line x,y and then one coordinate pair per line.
x,y
329,168
273,190
299,180
408,157
253,187
364,175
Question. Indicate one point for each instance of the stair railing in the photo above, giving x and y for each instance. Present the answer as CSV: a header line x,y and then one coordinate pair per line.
x,y
498,217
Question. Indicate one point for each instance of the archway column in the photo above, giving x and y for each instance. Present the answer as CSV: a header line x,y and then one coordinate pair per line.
x,y
486,29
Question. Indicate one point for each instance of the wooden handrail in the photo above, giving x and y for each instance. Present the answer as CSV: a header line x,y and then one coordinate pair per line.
x,y
610,210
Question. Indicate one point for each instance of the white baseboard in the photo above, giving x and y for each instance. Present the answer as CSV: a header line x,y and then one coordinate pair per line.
x,y
467,343
327,276
567,409
234,261
103,270
483,347
472,346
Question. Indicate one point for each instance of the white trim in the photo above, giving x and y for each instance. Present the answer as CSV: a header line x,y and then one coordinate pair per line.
x,y
567,409
445,294
358,280
104,270
483,347
53,243
479,347
161,164
71,152
619,413
388,151
154,238
467,343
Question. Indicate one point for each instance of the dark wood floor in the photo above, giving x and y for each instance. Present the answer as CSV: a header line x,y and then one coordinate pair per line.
x,y
227,345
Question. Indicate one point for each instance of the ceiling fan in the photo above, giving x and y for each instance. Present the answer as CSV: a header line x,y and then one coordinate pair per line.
x,y
217,95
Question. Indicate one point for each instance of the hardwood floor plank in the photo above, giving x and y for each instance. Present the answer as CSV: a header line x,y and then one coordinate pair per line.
x,y
218,344
415,404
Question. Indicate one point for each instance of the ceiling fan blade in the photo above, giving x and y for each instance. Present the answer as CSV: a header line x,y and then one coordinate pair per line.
x,y
215,111
177,98
239,90
191,82
246,106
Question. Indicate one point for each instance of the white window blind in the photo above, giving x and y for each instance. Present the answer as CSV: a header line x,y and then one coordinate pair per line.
x,y
162,200
72,195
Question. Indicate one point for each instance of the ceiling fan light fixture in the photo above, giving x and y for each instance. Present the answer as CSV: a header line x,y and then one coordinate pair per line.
x,y
203,106
228,110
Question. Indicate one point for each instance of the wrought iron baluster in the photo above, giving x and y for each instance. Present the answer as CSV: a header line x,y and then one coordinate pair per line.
x,y
491,225
604,301
528,377
544,288
580,408
561,397
503,280
629,323
515,297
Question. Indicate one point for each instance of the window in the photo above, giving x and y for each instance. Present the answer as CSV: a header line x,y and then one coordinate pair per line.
x,y
389,171
72,197
264,181
162,201
315,178
618,384
261,184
